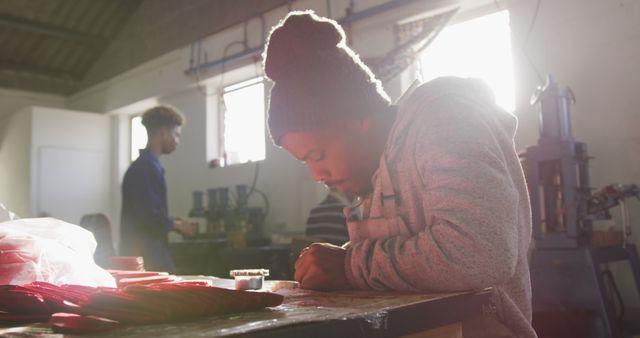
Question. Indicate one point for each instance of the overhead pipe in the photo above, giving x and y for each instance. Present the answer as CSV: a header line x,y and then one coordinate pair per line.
x,y
256,51
375,10
245,54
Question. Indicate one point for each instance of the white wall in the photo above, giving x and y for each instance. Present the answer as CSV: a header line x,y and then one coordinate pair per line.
x,y
69,128
15,180
35,133
13,100
15,120
71,132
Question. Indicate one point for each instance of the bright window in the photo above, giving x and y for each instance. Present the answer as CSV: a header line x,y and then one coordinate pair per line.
x,y
244,122
138,137
479,48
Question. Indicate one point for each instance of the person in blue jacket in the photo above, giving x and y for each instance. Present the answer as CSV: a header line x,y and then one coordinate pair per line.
x,y
145,221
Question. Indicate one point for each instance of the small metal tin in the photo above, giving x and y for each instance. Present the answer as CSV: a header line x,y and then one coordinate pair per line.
x,y
249,279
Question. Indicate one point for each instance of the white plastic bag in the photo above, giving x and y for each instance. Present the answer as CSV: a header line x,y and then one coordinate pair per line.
x,y
6,215
49,250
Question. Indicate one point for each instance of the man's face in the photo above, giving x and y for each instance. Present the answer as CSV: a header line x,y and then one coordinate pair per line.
x,y
170,139
339,157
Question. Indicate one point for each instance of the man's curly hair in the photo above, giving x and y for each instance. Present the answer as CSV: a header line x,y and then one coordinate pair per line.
x,y
162,116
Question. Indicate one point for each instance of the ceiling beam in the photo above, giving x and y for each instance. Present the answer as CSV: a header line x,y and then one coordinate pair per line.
x,y
11,21
34,70
49,86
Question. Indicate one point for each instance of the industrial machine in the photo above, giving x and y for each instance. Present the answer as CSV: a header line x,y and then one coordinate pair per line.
x,y
224,218
567,269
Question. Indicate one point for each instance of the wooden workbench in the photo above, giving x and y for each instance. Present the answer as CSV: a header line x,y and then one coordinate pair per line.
x,y
307,313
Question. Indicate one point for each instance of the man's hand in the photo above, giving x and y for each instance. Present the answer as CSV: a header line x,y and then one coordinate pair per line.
x,y
185,227
321,267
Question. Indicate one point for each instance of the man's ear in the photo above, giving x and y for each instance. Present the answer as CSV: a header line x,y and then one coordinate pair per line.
x,y
163,132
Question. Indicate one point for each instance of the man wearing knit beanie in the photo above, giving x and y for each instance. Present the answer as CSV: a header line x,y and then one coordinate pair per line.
x,y
443,202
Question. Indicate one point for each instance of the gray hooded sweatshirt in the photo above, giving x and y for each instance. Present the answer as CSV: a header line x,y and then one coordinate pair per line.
x,y
450,208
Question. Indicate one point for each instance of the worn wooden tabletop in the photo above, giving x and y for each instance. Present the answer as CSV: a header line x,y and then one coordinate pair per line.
x,y
307,313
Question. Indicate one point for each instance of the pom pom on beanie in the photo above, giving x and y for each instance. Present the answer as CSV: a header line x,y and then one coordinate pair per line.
x,y
300,40
318,80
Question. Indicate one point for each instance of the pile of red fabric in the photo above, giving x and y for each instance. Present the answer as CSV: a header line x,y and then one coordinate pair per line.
x,y
73,308
125,278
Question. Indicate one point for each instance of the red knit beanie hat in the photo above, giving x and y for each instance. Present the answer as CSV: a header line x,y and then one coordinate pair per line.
x,y
318,81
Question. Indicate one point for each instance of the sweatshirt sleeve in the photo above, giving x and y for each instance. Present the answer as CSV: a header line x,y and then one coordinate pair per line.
x,y
469,239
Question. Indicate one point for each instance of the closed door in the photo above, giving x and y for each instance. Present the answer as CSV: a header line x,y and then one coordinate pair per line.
x,y
71,183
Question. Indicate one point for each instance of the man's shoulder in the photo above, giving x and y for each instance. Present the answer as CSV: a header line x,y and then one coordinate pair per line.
x,y
445,100
138,164
141,166
451,86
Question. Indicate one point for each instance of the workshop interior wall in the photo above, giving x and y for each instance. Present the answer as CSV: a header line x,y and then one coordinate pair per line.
x,y
15,140
286,182
15,152
79,185
593,47
13,100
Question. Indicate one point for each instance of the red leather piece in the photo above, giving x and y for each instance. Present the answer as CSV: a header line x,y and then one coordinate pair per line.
x,y
135,304
75,323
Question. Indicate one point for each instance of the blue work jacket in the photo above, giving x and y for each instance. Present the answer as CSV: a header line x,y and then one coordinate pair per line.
x,y
145,222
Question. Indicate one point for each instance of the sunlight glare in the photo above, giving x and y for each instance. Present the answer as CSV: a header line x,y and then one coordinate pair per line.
x,y
479,48
244,133
138,137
